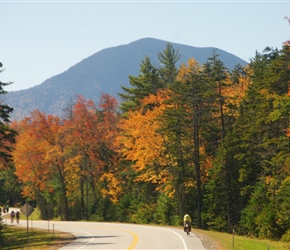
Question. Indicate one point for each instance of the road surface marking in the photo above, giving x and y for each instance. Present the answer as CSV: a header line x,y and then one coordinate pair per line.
x,y
135,237
184,244
92,239
135,240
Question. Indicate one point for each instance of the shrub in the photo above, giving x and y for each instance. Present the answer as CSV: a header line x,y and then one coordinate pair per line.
x,y
286,236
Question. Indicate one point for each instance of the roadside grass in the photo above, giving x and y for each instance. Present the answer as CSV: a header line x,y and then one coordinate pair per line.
x,y
16,238
230,242
34,216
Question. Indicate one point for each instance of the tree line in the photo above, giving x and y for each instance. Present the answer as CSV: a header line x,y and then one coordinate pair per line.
x,y
198,139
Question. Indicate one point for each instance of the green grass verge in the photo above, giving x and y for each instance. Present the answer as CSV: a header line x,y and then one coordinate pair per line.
x,y
229,242
16,238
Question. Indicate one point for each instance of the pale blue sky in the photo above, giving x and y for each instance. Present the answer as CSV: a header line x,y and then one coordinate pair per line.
x,y
40,39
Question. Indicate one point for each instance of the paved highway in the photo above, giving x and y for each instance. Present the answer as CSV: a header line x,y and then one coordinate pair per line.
x,y
97,235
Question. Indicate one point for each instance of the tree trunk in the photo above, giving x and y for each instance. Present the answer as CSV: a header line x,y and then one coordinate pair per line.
x,y
197,168
63,189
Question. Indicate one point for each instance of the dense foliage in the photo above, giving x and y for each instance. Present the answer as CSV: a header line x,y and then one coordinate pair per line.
x,y
198,139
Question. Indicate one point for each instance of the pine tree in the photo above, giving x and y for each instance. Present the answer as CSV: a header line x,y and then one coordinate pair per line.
x,y
184,119
148,82
7,134
168,59
221,199
215,74
151,79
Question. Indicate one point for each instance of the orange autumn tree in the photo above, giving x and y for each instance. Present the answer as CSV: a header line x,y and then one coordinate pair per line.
x,y
108,118
91,160
38,161
79,136
142,144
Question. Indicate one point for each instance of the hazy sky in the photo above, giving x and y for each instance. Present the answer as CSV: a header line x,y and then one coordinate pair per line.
x,y
40,39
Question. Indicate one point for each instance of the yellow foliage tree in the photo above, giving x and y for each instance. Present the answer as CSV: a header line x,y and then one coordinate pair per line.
x,y
141,143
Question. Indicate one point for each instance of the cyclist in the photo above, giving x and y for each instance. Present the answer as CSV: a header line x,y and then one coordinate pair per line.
x,y
187,220
17,216
12,216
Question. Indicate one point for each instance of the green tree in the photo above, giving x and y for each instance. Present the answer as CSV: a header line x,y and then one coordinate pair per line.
x,y
150,79
168,59
222,200
7,134
147,82
283,219
215,75
184,120
175,127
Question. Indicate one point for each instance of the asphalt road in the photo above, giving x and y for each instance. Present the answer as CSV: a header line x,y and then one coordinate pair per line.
x,y
96,235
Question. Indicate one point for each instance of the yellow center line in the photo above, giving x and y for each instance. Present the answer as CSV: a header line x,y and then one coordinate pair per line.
x,y
134,242
135,236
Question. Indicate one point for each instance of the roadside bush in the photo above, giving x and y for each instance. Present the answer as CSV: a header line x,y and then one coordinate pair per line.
x,y
163,212
286,237
144,215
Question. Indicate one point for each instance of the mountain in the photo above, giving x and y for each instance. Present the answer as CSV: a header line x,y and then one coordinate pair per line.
x,y
103,72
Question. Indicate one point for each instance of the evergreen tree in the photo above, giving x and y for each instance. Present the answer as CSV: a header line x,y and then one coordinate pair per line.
x,y
215,74
184,119
222,200
148,82
7,134
176,128
151,79
199,111
168,59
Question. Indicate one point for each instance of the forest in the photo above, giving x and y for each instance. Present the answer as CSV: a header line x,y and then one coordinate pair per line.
x,y
198,139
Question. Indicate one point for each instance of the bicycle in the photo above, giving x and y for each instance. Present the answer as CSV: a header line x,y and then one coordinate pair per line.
x,y
187,229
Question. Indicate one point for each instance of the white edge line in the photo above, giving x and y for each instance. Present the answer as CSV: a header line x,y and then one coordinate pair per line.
x,y
184,244
92,239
